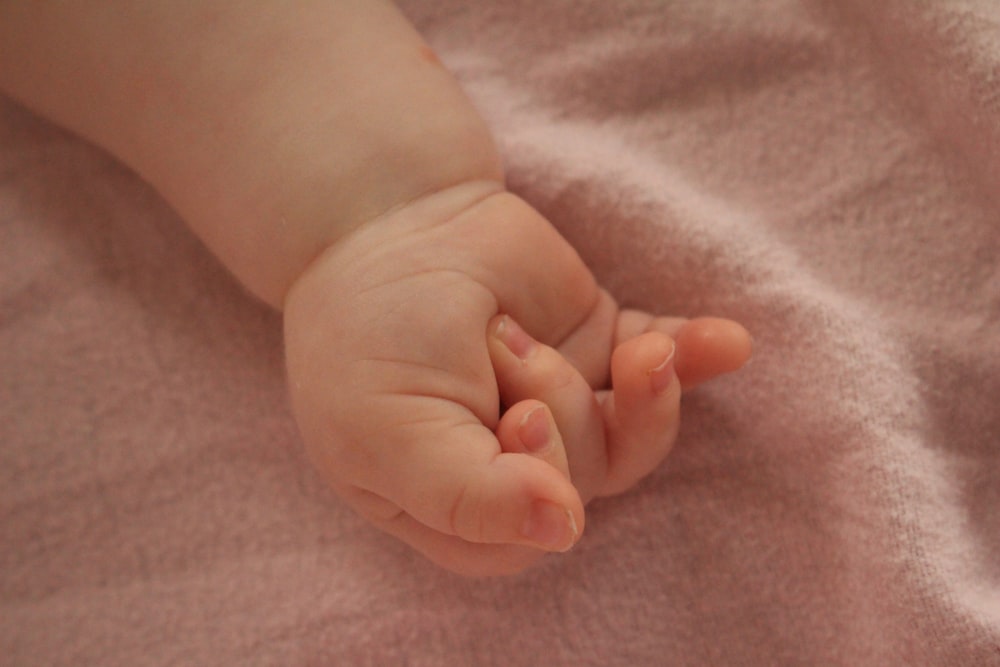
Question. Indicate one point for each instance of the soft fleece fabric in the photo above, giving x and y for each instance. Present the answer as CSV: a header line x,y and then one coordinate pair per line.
x,y
827,173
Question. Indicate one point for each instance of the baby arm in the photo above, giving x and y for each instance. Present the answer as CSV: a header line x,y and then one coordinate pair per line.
x,y
330,162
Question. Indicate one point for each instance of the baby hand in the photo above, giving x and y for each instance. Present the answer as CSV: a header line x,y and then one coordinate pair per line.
x,y
427,405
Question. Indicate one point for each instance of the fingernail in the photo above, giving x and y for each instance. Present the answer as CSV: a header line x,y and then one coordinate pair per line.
x,y
514,337
550,526
535,431
663,375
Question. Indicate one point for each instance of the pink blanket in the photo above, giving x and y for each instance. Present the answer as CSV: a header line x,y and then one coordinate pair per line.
x,y
826,172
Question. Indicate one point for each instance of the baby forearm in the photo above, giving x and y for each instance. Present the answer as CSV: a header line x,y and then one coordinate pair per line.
x,y
273,128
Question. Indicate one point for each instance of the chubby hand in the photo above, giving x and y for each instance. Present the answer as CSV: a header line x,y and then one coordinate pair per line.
x,y
462,382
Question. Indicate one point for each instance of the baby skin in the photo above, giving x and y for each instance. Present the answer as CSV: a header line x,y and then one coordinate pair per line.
x,y
457,374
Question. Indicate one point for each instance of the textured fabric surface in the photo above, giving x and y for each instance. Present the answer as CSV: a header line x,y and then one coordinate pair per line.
x,y
825,172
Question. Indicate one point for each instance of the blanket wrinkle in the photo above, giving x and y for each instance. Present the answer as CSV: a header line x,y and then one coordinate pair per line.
x,y
942,60
824,172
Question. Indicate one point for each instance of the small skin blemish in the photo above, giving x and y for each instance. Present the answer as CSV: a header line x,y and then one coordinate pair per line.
x,y
427,54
